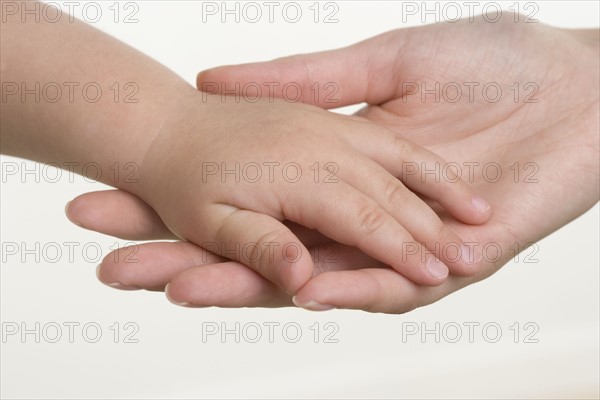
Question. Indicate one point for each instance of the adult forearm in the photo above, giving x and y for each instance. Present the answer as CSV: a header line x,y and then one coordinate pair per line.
x,y
591,37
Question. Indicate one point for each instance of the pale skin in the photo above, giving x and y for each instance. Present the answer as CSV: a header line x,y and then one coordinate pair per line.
x,y
559,134
174,131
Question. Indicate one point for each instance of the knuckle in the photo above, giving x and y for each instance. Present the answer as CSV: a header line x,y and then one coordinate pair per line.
x,y
394,193
402,148
442,235
371,218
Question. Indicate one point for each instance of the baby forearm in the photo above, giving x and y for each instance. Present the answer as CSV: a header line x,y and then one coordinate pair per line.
x,y
73,94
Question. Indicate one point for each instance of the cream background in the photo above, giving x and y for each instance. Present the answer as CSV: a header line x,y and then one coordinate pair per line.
x,y
559,294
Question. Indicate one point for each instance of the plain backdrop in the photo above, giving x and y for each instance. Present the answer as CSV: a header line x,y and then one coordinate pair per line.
x,y
553,304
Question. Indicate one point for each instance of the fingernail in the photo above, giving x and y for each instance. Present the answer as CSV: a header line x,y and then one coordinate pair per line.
x,y
312,305
436,268
178,303
470,255
69,217
120,286
115,285
480,204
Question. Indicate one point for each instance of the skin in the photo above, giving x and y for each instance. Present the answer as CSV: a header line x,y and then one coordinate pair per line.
x,y
363,205
558,135
173,131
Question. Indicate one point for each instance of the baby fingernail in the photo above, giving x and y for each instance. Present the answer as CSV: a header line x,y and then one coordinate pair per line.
x,y
312,305
436,268
480,204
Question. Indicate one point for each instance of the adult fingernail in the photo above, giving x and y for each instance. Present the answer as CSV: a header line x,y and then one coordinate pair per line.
x,y
480,204
178,303
436,268
312,305
120,286
116,285
68,216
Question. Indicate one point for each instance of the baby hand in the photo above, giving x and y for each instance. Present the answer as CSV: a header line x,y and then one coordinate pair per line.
x,y
226,174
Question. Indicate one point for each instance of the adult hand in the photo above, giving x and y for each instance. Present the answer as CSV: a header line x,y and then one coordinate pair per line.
x,y
541,134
